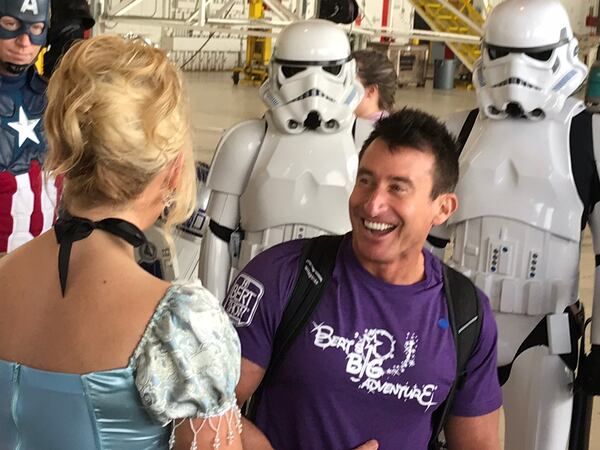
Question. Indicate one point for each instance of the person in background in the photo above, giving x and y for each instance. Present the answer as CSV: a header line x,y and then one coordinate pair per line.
x,y
26,201
289,174
97,353
378,76
68,23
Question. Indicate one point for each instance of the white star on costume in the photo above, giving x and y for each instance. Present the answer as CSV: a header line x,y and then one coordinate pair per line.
x,y
25,128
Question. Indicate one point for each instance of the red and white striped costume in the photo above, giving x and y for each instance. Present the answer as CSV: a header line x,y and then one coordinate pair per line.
x,y
28,201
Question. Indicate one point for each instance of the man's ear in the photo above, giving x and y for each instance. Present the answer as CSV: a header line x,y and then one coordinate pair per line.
x,y
446,204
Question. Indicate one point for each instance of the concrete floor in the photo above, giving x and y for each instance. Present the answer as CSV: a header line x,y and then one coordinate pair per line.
x,y
216,104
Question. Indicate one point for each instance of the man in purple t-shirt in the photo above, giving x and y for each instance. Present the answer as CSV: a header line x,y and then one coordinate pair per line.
x,y
377,357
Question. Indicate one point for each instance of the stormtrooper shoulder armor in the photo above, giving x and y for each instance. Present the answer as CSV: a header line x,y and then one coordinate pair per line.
x,y
455,121
235,157
361,131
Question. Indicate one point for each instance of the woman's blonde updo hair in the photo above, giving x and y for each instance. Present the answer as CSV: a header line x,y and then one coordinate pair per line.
x,y
116,118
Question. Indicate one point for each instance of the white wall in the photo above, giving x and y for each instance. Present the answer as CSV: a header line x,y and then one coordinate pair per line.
x,y
577,9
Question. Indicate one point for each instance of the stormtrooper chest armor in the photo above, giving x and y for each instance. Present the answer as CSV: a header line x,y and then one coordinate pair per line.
x,y
298,188
518,226
301,179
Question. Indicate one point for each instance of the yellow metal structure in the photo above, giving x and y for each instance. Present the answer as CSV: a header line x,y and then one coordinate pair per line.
x,y
441,18
258,52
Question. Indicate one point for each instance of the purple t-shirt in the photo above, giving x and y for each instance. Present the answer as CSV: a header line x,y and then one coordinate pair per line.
x,y
374,362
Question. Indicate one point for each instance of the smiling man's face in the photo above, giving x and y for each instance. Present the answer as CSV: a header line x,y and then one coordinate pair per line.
x,y
391,208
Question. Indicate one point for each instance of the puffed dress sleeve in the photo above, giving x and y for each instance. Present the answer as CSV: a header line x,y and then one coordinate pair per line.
x,y
187,363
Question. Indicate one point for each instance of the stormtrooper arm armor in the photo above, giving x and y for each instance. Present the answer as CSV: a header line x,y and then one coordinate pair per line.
x,y
230,169
215,257
454,123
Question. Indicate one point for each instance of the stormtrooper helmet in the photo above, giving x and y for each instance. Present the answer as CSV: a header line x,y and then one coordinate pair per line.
x,y
312,80
528,65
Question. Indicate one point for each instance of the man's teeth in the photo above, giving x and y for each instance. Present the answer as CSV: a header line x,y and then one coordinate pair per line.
x,y
378,226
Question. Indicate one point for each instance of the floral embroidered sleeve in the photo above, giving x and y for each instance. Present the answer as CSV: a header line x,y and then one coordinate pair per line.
x,y
188,362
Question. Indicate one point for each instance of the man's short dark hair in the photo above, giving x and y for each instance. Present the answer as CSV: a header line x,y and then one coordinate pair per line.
x,y
421,131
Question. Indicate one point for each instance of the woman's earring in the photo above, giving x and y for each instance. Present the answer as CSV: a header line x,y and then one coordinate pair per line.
x,y
169,201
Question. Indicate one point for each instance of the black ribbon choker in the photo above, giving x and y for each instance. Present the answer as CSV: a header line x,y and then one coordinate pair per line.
x,y
69,229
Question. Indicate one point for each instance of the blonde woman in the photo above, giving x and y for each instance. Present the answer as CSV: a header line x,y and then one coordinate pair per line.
x,y
94,352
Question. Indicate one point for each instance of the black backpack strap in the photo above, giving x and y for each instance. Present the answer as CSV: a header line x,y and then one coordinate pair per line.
x,y
314,272
583,162
465,131
466,317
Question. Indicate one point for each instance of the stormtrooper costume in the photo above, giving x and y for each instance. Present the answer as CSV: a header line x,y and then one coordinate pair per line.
x,y
288,175
27,200
528,186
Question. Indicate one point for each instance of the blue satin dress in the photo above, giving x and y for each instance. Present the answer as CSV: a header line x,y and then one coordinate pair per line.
x,y
185,366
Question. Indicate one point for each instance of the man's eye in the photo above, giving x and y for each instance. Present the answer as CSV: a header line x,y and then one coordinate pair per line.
x,y
363,181
397,188
37,29
10,24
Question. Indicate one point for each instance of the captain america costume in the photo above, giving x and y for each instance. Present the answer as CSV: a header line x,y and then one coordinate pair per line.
x,y
27,200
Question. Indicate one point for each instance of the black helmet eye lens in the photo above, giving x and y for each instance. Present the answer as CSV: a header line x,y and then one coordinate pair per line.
x,y
540,56
290,71
333,70
497,52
